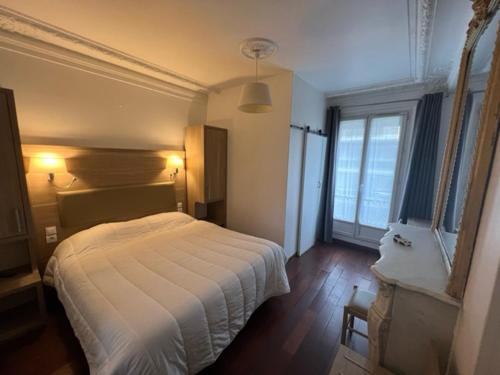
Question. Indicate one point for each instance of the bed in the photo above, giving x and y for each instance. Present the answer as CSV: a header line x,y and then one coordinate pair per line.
x,y
162,294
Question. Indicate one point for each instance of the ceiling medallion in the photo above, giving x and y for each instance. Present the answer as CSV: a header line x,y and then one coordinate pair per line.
x,y
255,96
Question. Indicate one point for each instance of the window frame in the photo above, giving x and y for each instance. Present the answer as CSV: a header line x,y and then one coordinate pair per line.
x,y
407,109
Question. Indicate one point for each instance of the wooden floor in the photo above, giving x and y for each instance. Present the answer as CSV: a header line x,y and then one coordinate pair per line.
x,y
298,333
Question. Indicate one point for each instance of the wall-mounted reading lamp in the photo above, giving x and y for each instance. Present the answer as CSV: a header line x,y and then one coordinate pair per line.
x,y
50,164
174,162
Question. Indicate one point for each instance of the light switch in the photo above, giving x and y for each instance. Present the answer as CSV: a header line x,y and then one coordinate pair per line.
x,y
51,234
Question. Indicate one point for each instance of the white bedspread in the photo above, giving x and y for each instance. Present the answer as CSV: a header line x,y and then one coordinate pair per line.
x,y
164,294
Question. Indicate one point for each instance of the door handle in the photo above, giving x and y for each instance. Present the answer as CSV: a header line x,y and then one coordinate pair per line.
x,y
18,220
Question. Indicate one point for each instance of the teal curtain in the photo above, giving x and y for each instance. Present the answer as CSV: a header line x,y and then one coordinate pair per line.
x,y
418,196
331,128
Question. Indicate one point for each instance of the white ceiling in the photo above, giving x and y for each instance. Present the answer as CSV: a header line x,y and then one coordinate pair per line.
x,y
336,45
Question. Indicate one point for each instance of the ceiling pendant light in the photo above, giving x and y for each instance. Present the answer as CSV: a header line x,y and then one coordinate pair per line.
x,y
255,96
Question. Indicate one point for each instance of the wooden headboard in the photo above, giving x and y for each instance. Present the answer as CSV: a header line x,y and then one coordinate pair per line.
x,y
82,209
121,171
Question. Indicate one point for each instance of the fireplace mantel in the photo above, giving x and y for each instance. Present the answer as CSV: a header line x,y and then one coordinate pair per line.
x,y
412,312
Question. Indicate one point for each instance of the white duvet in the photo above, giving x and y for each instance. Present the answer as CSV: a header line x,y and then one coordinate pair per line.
x,y
164,294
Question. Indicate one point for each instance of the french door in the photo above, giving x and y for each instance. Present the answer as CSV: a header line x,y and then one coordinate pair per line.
x,y
367,163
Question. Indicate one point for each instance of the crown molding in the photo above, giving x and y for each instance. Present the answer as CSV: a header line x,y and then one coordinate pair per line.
x,y
426,10
407,93
28,36
433,84
421,14
370,88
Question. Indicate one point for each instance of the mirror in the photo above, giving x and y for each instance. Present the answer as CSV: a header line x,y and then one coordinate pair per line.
x,y
465,146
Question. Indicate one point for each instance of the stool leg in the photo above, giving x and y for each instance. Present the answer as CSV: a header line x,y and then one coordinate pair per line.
x,y
344,326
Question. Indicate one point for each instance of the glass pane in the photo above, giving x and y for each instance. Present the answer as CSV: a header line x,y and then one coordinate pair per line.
x,y
347,169
380,168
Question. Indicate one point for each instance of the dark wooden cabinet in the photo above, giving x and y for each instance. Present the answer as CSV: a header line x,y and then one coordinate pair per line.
x,y
21,293
12,219
206,171
215,163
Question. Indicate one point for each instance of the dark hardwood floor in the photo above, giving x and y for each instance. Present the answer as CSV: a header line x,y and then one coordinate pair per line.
x,y
298,333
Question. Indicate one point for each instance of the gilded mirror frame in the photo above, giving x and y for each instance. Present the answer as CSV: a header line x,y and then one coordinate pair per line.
x,y
484,150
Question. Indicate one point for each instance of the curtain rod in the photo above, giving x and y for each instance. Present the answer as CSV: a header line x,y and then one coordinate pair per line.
x,y
398,101
379,103
307,128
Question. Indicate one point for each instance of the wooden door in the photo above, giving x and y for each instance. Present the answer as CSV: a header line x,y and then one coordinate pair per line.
x,y
215,163
12,221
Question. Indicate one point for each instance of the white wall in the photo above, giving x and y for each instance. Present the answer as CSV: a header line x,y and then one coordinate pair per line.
x,y
257,159
476,350
61,105
308,108
308,105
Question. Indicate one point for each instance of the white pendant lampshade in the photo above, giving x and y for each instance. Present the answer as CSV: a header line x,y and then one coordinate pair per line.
x,y
255,96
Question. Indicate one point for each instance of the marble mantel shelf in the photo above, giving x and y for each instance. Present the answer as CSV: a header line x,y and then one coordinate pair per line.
x,y
419,268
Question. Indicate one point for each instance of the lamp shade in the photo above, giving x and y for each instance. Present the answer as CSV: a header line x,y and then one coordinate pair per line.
x,y
255,98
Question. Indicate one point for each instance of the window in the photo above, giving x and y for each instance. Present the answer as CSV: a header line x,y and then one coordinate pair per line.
x,y
347,168
365,169
380,168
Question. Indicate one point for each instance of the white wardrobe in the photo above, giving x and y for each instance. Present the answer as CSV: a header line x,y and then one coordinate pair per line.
x,y
305,183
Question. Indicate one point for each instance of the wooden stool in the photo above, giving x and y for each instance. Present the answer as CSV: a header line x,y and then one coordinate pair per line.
x,y
357,307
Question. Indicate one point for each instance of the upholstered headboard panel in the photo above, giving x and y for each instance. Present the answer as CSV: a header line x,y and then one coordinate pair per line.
x,y
85,208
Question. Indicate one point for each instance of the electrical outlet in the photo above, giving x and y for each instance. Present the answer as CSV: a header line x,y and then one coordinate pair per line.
x,y
179,207
51,238
50,230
